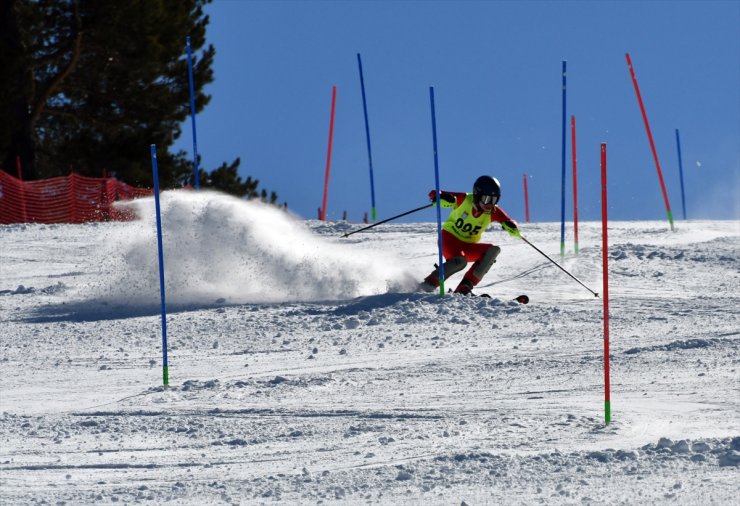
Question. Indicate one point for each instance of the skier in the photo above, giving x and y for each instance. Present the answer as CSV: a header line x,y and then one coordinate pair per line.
x,y
461,234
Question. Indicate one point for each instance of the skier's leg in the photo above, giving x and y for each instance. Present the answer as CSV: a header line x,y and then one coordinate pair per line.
x,y
455,257
451,266
479,268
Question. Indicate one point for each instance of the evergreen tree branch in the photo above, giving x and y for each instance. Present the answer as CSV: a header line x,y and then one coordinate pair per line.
x,y
40,102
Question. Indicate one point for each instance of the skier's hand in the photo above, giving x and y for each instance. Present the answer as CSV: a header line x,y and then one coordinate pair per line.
x,y
447,197
511,228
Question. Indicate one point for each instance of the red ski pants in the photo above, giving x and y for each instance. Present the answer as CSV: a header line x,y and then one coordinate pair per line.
x,y
453,247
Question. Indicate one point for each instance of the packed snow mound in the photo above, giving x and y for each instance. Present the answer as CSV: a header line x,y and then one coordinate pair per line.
x,y
221,249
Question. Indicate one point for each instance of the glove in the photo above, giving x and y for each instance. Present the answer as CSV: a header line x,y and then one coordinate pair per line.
x,y
447,197
511,228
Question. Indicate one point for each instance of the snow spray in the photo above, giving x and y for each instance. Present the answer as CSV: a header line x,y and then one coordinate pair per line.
x,y
373,213
605,289
160,251
223,250
328,154
652,144
439,201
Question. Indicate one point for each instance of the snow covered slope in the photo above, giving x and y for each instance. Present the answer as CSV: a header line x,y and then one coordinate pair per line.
x,y
304,368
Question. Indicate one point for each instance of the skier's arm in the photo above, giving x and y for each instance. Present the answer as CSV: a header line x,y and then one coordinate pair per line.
x,y
507,223
500,215
448,199
511,228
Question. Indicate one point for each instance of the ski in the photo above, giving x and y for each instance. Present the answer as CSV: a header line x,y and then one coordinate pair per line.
x,y
521,299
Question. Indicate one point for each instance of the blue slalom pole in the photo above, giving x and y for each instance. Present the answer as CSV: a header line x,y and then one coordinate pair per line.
x,y
439,202
680,172
196,182
165,373
562,190
367,136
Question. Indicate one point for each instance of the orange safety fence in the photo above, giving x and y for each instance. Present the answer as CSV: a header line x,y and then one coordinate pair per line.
x,y
66,199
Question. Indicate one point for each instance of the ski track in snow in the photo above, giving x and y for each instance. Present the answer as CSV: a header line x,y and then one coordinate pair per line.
x,y
304,369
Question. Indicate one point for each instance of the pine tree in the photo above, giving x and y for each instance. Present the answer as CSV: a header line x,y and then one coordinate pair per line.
x,y
89,85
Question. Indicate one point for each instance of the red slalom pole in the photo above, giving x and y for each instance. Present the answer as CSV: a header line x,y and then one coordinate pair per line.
x,y
652,144
575,183
526,199
605,289
328,155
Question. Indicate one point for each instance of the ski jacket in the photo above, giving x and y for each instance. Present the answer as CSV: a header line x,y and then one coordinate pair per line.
x,y
465,222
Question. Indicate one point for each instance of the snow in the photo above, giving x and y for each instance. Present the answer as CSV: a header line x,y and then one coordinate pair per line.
x,y
304,368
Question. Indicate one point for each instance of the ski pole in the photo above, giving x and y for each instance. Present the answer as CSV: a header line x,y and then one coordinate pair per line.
x,y
559,266
391,218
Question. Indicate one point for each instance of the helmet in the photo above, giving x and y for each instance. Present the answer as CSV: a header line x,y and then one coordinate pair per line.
x,y
486,190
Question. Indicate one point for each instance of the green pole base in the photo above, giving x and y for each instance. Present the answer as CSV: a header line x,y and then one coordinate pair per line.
x,y
576,248
607,412
165,376
441,287
670,220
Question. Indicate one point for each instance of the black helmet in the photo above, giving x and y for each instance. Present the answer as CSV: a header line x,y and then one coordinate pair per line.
x,y
486,190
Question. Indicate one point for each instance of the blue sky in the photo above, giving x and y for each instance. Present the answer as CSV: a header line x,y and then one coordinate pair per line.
x,y
496,70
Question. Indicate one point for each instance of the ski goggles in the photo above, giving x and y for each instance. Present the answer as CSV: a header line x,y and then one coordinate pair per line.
x,y
489,199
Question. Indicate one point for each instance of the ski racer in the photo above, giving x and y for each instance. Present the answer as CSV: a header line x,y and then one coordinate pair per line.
x,y
461,234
